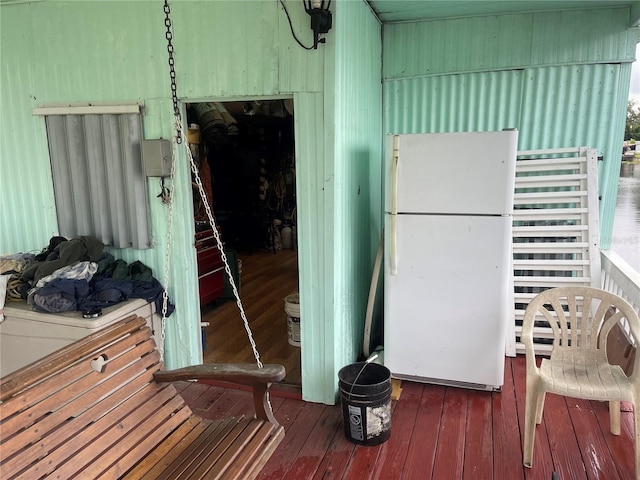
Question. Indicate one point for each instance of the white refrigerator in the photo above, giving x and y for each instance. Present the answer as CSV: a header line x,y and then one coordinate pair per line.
x,y
448,218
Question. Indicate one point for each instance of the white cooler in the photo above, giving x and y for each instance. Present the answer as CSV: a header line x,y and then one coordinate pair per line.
x,y
27,335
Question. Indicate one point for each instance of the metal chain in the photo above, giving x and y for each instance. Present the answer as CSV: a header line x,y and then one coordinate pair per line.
x,y
167,258
172,71
194,169
169,196
223,255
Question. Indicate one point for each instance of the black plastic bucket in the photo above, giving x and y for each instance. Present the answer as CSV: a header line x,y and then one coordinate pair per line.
x,y
365,395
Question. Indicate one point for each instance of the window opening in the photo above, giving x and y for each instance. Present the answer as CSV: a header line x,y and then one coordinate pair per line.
x,y
99,184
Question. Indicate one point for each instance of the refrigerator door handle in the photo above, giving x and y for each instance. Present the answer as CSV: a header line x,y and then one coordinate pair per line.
x,y
394,203
392,246
394,174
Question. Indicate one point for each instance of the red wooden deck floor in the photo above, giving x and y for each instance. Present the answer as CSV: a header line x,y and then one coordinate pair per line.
x,y
441,433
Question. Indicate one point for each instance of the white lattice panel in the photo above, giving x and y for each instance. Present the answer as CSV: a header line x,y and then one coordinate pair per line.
x,y
555,228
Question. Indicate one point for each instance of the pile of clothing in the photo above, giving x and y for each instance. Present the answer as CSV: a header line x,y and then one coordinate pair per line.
x,y
76,274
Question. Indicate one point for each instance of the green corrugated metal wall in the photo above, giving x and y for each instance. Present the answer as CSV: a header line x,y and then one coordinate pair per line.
x,y
561,78
354,92
72,52
450,75
315,187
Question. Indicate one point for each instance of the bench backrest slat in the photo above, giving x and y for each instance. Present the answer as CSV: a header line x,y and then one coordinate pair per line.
x,y
112,445
71,429
41,399
69,455
90,410
23,378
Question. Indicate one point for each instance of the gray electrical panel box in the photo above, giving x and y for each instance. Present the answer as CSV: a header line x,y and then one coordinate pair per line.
x,y
156,157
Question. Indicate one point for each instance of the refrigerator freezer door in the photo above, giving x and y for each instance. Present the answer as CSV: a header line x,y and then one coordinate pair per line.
x,y
457,173
446,309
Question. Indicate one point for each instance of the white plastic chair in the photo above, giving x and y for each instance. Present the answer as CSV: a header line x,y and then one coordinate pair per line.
x,y
581,319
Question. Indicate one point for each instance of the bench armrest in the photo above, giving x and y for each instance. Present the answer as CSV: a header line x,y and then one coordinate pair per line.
x,y
248,374
243,373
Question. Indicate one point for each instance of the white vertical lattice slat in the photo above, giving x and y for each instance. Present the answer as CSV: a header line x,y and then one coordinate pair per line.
x,y
555,228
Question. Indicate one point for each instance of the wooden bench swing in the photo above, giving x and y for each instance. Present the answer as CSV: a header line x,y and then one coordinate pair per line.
x,y
102,408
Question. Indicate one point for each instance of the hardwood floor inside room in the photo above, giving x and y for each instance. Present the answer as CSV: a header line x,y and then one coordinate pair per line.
x,y
266,279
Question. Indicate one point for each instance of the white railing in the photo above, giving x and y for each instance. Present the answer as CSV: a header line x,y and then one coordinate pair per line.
x,y
620,278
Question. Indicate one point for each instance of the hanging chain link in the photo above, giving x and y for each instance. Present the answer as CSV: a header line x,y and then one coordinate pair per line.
x,y
203,195
172,71
223,255
167,257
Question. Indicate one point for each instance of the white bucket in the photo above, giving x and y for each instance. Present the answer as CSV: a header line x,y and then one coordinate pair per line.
x,y
292,309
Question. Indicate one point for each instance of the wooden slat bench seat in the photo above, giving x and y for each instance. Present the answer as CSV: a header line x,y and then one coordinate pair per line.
x,y
102,408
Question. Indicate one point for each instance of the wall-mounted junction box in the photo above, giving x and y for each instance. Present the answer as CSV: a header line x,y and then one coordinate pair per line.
x,y
156,157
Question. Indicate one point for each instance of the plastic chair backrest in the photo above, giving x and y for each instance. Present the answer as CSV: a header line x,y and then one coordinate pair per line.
x,y
580,317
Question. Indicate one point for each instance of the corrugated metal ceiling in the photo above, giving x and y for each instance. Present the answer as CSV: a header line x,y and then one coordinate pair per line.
x,y
413,10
